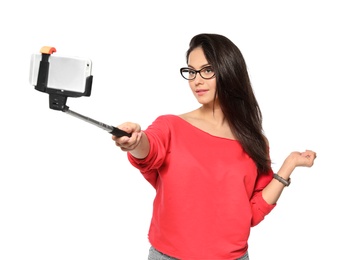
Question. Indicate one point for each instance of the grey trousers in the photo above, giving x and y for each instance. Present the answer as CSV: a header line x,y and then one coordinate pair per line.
x,y
154,254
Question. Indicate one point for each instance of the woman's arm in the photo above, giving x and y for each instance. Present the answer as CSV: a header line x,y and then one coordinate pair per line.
x,y
137,144
273,190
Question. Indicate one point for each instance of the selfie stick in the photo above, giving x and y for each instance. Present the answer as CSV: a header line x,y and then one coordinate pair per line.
x,y
58,98
111,129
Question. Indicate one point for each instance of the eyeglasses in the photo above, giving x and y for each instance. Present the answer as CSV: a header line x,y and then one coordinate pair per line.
x,y
190,74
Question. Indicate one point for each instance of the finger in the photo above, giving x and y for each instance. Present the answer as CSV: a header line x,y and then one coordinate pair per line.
x,y
308,153
132,143
129,127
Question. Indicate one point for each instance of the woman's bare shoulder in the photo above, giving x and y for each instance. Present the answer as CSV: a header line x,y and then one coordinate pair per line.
x,y
190,116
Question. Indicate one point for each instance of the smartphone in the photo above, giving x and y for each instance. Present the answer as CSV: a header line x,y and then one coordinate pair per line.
x,y
66,73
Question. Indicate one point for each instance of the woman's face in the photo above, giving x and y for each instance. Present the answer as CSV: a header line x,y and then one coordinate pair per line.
x,y
203,89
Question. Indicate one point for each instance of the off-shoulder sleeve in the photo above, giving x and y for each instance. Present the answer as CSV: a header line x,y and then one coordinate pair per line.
x,y
158,134
260,208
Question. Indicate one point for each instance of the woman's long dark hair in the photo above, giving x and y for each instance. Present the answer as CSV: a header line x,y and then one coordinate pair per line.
x,y
235,94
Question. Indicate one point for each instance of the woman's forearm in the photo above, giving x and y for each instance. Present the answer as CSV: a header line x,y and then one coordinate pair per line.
x,y
273,190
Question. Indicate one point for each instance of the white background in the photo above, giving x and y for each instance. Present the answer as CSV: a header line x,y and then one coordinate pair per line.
x,y
66,191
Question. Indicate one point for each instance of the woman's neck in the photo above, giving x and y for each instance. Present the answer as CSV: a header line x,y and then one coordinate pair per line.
x,y
214,116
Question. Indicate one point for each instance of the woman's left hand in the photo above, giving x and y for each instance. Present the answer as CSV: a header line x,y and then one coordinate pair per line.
x,y
306,158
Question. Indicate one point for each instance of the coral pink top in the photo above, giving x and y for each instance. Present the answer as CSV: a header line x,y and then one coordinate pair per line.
x,y
208,192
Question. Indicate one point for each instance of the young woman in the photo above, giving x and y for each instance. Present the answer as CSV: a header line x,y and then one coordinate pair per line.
x,y
210,167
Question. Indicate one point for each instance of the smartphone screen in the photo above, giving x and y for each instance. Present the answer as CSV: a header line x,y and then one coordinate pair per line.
x,y
65,73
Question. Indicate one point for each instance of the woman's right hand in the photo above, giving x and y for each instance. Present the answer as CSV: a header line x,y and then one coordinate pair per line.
x,y
128,143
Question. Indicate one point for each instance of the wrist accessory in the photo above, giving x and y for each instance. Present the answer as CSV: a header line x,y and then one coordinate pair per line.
x,y
282,180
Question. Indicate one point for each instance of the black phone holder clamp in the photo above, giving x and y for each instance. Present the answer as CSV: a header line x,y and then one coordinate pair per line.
x,y
58,98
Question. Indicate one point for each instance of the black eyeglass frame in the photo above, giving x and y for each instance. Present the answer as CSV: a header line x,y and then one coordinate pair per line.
x,y
197,72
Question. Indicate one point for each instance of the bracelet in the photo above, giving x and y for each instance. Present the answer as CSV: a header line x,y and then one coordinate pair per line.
x,y
282,180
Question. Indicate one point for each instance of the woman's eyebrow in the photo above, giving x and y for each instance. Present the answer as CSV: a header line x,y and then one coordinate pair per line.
x,y
203,66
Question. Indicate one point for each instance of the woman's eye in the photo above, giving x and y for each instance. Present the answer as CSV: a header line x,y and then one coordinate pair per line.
x,y
208,70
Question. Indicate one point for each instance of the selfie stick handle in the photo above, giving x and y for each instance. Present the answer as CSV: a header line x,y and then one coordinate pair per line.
x,y
111,129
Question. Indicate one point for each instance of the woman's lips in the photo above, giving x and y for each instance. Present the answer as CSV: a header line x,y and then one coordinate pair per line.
x,y
201,92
